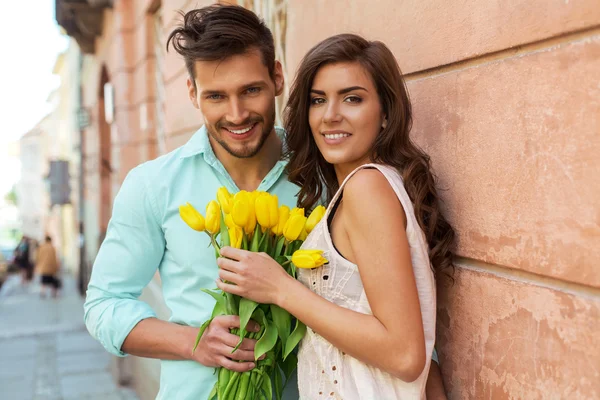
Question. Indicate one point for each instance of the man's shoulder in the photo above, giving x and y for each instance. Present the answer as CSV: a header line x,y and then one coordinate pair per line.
x,y
162,166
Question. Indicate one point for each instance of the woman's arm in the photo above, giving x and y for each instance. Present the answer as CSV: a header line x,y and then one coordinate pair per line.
x,y
392,338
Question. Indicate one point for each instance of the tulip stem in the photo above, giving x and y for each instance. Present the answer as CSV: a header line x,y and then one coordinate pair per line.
x,y
214,242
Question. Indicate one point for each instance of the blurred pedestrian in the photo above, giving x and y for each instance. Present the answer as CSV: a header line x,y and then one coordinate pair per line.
x,y
22,260
47,267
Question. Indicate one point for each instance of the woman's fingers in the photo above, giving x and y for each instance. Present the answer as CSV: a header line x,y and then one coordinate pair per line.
x,y
233,253
228,276
229,288
228,264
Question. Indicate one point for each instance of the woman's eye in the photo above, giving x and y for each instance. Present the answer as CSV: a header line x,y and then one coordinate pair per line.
x,y
353,99
317,100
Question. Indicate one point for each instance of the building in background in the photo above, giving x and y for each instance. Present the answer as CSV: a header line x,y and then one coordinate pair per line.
x,y
505,100
31,189
49,155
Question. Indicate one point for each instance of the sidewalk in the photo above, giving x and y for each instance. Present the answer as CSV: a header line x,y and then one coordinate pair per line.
x,y
46,352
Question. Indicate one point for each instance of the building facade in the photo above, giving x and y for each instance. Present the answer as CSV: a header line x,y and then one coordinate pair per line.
x,y
506,102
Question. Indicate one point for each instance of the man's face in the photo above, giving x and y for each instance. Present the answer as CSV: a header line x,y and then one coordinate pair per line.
x,y
237,99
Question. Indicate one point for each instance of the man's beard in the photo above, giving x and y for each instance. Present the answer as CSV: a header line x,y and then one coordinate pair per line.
x,y
246,151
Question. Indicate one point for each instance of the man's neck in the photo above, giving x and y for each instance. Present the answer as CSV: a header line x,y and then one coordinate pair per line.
x,y
248,173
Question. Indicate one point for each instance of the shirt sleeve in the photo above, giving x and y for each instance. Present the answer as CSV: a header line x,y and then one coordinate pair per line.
x,y
126,262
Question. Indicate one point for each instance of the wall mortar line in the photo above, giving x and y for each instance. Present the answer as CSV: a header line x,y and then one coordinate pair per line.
x,y
513,52
520,276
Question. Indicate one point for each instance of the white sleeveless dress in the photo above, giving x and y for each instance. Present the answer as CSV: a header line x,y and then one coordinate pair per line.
x,y
324,372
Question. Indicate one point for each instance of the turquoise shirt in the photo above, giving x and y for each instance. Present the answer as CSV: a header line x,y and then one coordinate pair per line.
x,y
146,234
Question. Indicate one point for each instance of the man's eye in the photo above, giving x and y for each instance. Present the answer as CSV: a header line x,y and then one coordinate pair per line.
x,y
317,100
214,97
253,90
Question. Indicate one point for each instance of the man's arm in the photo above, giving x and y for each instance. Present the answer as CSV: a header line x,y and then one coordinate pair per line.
x,y
435,385
126,262
128,259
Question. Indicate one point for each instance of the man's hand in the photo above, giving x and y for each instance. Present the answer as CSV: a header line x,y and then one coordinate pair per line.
x,y
216,344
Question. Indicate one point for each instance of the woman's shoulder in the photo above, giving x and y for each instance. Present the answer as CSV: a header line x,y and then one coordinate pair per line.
x,y
371,187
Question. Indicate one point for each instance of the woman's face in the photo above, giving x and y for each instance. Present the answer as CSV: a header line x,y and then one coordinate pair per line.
x,y
345,114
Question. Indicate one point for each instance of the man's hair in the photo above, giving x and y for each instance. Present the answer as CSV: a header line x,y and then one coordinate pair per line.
x,y
220,31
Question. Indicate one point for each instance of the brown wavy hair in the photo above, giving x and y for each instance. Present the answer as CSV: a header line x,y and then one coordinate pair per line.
x,y
393,146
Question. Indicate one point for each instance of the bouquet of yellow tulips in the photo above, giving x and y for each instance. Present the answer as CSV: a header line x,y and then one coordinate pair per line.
x,y
254,221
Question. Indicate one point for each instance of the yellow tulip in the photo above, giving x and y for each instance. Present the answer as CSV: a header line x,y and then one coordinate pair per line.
x,y
241,208
308,258
284,215
294,227
213,217
303,234
251,223
235,236
314,218
297,211
225,199
190,216
267,213
229,221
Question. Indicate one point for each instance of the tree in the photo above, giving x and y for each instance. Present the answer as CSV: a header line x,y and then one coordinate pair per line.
x,y
11,197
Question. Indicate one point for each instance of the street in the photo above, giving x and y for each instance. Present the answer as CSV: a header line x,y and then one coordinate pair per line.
x,y
46,352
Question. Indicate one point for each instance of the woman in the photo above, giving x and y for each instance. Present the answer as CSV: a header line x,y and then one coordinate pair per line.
x,y
370,312
47,267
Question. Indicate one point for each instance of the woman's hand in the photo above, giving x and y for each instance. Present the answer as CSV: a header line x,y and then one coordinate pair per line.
x,y
255,276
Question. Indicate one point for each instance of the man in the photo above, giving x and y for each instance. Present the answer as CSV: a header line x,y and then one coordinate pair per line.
x,y
233,81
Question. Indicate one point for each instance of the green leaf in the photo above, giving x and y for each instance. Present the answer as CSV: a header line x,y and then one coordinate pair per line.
x,y
224,234
267,341
294,338
200,333
289,365
263,245
256,238
218,296
283,322
213,392
231,304
247,308
279,246
278,383
267,387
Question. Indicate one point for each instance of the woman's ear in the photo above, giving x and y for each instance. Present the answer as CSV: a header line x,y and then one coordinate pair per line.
x,y
384,122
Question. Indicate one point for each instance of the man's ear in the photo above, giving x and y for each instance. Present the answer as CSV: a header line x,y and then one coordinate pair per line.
x,y
192,92
279,80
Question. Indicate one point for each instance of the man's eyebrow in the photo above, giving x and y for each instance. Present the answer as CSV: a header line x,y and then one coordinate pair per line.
x,y
211,92
245,87
254,84
341,91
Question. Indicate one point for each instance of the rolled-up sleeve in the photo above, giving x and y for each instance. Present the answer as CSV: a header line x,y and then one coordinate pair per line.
x,y
127,260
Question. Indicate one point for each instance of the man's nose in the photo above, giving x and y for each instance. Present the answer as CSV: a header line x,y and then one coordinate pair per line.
x,y
238,113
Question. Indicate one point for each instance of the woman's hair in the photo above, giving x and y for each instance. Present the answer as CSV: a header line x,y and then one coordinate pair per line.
x,y
316,177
